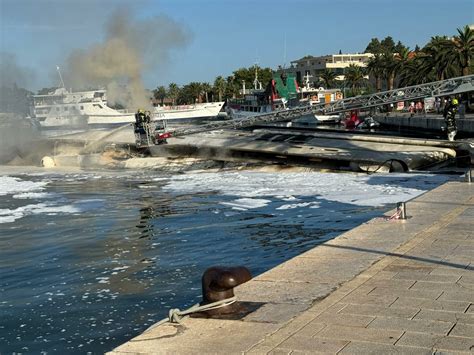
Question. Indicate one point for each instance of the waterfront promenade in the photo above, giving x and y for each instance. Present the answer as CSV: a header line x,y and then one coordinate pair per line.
x,y
387,286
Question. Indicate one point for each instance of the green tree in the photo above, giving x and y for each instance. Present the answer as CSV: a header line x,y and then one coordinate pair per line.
x,y
436,59
400,47
461,49
159,94
388,45
328,77
374,46
390,66
173,92
206,89
248,75
231,88
219,87
402,58
375,68
354,78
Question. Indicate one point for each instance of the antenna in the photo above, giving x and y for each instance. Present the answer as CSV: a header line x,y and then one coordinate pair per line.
x,y
60,76
284,51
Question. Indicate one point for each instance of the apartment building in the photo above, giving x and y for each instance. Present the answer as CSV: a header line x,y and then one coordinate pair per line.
x,y
314,66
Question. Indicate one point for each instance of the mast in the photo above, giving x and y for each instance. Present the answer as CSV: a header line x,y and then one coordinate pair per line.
x,y
60,77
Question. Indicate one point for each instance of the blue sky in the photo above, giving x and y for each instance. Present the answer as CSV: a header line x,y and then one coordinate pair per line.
x,y
223,35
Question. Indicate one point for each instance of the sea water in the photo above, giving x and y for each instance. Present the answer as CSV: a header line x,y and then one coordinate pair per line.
x,y
90,259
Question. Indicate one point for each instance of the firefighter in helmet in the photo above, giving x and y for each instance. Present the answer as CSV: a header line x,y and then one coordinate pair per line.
x,y
449,114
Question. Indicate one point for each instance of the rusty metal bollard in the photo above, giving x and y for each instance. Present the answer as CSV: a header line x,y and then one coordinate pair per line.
x,y
218,284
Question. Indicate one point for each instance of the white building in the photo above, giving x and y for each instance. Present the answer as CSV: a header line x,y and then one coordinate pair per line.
x,y
314,66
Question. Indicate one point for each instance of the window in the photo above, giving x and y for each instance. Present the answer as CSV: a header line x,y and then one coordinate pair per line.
x,y
82,107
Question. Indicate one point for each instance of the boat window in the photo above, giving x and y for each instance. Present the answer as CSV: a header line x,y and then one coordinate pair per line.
x,y
57,109
65,108
97,105
82,107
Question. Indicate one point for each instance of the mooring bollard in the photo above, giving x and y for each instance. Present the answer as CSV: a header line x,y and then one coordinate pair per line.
x,y
218,284
402,210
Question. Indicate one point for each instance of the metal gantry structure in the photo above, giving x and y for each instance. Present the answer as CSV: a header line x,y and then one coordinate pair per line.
x,y
438,88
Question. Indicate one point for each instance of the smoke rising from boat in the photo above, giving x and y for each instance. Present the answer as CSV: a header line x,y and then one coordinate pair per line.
x,y
129,47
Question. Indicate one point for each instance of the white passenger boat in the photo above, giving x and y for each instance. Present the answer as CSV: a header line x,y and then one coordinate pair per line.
x,y
62,108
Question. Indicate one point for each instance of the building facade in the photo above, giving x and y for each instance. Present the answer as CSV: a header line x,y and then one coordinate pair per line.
x,y
338,63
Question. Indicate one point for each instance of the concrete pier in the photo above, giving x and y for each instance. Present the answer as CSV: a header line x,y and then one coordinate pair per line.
x,y
387,286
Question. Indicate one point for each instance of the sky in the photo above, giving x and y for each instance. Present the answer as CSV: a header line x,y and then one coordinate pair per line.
x,y
217,36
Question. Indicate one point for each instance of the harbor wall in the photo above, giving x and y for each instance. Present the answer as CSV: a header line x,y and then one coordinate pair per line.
x,y
426,122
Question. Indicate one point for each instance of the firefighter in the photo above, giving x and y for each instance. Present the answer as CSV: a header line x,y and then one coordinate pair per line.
x,y
139,120
449,115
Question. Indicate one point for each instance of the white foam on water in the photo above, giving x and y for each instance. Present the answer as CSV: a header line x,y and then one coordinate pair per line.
x,y
246,203
10,215
356,189
10,185
298,205
32,195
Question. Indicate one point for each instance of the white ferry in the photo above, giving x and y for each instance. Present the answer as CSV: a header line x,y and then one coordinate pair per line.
x,y
62,108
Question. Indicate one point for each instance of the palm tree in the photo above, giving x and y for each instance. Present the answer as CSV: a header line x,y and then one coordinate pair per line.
x,y
402,59
390,66
436,58
205,90
461,49
327,77
173,92
375,68
195,90
220,86
354,77
159,94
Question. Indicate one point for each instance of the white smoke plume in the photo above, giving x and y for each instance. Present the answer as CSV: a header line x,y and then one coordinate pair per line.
x,y
130,47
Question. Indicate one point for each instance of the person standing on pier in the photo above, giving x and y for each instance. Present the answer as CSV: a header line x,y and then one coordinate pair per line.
x,y
449,115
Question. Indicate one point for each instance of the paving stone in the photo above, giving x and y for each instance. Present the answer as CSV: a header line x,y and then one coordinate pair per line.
x,y
449,306
313,344
443,286
410,268
452,343
463,330
415,325
428,294
361,334
426,277
422,340
384,275
275,313
377,349
380,300
278,352
458,296
446,270
403,284
470,309
467,279
311,329
453,317
282,292
377,311
344,319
